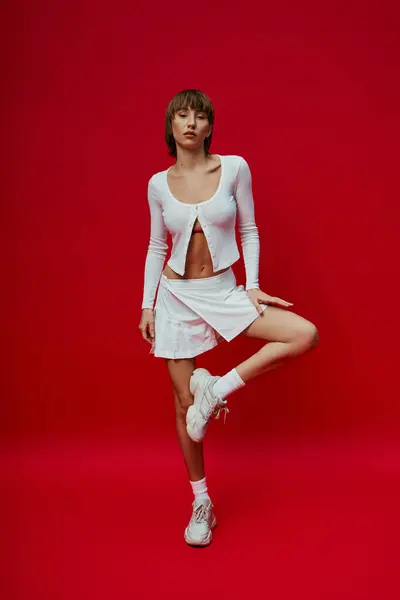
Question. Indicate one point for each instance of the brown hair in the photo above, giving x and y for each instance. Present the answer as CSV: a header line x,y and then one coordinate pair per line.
x,y
185,99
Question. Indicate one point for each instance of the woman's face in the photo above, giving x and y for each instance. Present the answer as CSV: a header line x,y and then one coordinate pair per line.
x,y
190,128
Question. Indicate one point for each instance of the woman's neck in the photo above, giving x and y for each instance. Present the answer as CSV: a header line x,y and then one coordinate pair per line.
x,y
190,160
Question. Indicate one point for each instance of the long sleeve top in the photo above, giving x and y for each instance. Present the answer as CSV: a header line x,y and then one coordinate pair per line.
x,y
217,216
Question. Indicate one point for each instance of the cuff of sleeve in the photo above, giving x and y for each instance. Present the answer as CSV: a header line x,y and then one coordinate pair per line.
x,y
147,305
252,285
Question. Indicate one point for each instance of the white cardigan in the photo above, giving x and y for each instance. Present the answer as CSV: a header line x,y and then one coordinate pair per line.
x,y
217,216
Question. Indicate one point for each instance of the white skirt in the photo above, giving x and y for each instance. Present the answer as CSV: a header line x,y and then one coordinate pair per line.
x,y
194,315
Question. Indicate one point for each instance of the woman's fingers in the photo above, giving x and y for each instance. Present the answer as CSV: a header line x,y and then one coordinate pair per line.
x,y
147,330
282,302
258,307
275,300
145,335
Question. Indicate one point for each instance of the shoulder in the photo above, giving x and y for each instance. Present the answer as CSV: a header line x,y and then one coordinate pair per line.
x,y
156,191
232,159
158,179
236,166
156,184
235,161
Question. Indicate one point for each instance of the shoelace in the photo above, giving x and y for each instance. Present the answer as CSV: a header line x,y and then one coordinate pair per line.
x,y
201,513
216,410
215,404
219,410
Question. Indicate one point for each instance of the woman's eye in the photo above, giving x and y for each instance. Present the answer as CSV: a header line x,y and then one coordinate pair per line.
x,y
183,115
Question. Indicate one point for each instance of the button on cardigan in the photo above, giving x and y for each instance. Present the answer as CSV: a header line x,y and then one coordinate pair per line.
x,y
217,216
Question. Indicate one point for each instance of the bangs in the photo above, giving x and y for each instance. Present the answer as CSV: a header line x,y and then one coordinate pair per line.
x,y
194,99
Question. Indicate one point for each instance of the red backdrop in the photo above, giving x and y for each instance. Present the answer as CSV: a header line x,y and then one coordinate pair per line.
x,y
308,94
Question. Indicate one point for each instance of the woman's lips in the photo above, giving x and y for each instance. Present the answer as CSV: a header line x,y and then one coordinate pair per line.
x,y
189,134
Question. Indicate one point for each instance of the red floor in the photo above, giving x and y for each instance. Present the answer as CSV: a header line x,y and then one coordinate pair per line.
x,y
297,519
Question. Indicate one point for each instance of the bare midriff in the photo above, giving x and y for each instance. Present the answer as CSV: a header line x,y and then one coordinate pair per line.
x,y
198,258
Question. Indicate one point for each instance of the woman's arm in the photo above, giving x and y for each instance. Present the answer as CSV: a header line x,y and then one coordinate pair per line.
x,y
157,249
247,227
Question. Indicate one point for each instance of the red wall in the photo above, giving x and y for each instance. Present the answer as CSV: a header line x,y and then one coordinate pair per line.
x,y
308,93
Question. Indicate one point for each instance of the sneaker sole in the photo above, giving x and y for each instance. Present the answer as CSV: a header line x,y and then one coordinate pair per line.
x,y
189,429
202,543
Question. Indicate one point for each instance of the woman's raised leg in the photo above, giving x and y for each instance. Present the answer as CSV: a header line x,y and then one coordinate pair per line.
x,y
288,335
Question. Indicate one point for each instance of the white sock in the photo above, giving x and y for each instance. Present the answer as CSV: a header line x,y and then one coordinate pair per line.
x,y
227,384
200,489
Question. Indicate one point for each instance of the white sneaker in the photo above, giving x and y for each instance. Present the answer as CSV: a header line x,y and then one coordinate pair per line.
x,y
198,532
205,404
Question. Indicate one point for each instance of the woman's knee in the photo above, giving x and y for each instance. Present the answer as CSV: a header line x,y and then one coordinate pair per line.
x,y
307,337
182,402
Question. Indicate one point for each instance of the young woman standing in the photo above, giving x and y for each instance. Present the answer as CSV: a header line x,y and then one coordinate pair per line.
x,y
199,304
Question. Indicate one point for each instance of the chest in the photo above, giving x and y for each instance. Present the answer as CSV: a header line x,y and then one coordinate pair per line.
x,y
220,212
194,188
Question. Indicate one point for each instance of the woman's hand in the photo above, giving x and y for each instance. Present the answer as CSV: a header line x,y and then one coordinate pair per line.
x,y
146,325
258,297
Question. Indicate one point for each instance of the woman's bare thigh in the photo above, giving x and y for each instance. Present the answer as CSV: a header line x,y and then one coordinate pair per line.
x,y
280,325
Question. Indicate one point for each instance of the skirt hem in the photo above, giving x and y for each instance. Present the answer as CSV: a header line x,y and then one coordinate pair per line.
x,y
177,354
243,327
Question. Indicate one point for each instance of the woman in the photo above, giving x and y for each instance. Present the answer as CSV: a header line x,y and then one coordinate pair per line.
x,y
199,305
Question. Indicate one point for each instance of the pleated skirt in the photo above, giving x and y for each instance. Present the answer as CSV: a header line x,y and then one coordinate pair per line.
x,y
194,315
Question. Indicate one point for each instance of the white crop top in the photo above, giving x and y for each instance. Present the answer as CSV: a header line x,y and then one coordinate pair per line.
x,y
217,216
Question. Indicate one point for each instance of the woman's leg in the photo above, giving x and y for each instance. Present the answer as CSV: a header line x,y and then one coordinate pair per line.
x,y
288,335
180,371
199,530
